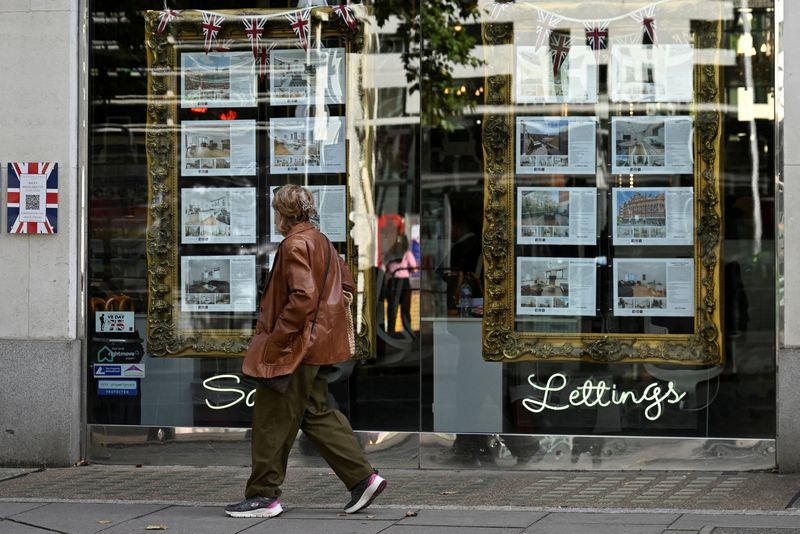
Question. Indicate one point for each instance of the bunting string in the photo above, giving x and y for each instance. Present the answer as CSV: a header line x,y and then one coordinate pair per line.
x,y
499,7
254,25
597,34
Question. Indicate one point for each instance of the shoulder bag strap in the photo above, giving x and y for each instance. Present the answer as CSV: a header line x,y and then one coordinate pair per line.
x,y
271,271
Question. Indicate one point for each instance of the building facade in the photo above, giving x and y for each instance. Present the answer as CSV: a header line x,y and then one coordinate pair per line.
x,y
661,343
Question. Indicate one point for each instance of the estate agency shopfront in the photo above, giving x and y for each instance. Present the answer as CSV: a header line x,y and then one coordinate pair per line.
x,y
560,216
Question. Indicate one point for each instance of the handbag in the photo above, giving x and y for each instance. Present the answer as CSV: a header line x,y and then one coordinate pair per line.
x,y
351,331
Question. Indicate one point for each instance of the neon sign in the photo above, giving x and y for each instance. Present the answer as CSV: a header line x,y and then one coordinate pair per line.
x,y
600,393
240,395
592,393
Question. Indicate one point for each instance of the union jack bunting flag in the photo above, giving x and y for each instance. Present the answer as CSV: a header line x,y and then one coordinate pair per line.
x,y
254,28
263,59
301,24
647,18
165,17
498,8
346,14
212,24
559,50
32,197
597,35
545,24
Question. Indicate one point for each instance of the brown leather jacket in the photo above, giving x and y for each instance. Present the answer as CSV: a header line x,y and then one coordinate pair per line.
x,y
285,333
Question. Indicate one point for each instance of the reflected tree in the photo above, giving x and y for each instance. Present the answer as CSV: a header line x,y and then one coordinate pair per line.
x,y
437,41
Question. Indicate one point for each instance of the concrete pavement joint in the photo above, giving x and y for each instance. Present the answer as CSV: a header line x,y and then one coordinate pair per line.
x,y
18,522
794,500
11,474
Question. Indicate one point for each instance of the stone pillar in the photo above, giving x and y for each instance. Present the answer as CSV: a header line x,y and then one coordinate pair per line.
x,y
40,340
788,364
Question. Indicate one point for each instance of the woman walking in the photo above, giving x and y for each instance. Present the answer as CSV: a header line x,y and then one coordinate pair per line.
x,y
398,272
301,331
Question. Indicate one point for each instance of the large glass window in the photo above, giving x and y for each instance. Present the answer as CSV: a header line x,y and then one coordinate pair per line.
x,y
591,165
215,139
575,197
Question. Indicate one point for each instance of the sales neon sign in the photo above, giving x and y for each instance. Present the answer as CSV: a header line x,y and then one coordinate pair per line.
x,y
239,395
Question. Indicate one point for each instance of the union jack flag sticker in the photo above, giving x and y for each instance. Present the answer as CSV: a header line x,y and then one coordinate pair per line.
x,y
32,197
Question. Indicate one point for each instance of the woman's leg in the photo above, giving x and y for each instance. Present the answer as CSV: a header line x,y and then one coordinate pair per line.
x,y
405,304
276,420
394,301
331,433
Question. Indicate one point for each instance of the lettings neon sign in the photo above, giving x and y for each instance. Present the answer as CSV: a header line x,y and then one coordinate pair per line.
x,y
599,393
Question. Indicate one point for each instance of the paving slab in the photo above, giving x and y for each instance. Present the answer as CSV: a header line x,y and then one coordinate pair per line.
x,y
698,521
600,518
483,518
8,509
407,529
186,520
729,530
328,514
576,528
279,525
82,518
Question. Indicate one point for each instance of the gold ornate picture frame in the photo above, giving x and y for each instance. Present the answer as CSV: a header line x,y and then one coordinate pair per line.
x,y
166,335
502,342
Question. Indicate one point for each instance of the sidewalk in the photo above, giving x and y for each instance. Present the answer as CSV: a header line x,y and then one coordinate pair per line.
x,y
122,499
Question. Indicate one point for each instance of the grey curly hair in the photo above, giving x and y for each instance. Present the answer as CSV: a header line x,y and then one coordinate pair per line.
x,y
295,204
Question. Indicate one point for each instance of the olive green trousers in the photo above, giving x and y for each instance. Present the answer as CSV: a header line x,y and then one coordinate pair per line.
x,y
304,406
